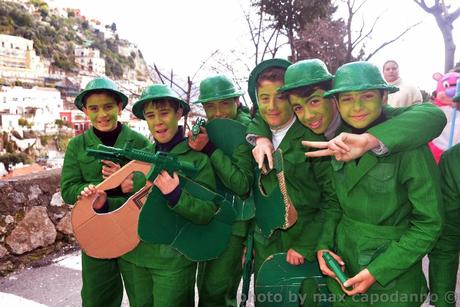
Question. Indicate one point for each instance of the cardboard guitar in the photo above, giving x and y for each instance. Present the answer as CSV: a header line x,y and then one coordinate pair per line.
x,y
110,235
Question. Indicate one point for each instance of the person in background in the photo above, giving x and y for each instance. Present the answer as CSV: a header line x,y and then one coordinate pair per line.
x,y
407,94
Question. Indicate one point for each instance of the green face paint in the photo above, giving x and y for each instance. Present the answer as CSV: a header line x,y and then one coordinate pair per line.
x,y
360,108
315,112
221,109
103,111
162,121
274,107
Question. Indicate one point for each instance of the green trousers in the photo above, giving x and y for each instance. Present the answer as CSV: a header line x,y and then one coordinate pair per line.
x,y
147,287
444,262
102,284
218,279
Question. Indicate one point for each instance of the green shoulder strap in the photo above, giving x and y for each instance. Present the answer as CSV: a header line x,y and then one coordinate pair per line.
x,y
274,209
282,281
227,135
158,224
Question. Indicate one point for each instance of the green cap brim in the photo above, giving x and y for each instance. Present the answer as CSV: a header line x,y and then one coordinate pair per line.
x,y
138,107
252,82
79,99
302,83
232,95
361,87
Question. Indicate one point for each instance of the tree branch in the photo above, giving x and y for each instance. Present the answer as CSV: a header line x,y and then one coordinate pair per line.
x,y
454,15
391,41
423,5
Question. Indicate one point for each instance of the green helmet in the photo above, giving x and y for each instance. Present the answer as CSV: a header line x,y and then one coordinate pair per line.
x,y
305,73
359,76
157,92
255,73
100,84
218,87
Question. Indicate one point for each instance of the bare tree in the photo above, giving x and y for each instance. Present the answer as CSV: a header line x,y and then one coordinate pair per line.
x,y
444,19
358,40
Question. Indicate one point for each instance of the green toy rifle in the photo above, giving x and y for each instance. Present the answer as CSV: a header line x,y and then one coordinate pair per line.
x,y
247,270
200,122
160,160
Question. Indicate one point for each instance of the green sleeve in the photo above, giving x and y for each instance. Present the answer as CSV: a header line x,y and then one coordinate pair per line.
x,y
330,207
192,208
409,127
419,176
259,127
72,182
237,172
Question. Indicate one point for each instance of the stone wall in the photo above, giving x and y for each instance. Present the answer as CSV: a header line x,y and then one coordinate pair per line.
x,y
34,221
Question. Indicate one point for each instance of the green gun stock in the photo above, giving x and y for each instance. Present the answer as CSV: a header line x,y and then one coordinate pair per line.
x,y
160,160
107,155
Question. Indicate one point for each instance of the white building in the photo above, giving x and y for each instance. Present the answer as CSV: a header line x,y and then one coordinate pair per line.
x,y
89,60
38,105
19,60
9,122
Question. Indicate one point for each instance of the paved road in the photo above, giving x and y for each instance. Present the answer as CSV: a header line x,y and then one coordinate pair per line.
x,y
56,285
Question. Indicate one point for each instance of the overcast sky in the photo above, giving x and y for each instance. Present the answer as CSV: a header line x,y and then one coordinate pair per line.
x,y
181,34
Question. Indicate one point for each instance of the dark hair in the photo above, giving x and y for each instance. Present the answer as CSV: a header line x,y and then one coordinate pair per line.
x,y
101,91
390,61
165,102
305,91
271,74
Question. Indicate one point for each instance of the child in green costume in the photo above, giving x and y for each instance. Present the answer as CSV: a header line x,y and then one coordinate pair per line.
x,y
389,215
218,279
102,102
159,275
308,182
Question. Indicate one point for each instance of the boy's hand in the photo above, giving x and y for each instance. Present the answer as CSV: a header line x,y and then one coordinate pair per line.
x,y
264,148
101,196
345,146
165,183
360,283
109,168
323,266
294,257
200,140
128,184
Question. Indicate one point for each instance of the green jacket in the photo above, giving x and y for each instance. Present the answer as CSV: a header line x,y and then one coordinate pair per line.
x,y
389,215
236,172
80,169
309,186
423,123
198,211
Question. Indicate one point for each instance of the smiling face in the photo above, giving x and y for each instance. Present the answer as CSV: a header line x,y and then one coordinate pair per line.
x,y
162,119
102,110
313,111
227,108
360,108
274,107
